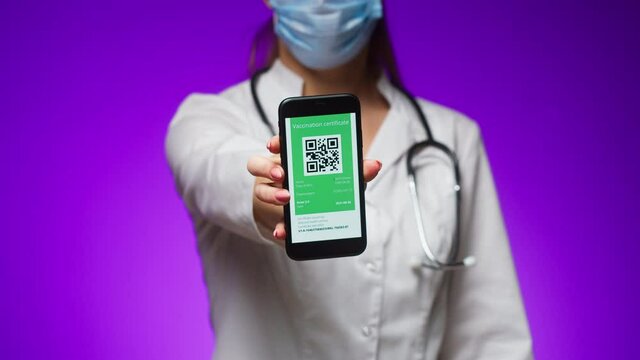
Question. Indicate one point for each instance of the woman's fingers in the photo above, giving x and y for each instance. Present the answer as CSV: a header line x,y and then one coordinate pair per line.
x,y
272,195
267,168
274,144
280,233
371,168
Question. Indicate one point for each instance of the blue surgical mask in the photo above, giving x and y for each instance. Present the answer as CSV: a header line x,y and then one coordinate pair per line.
x,y
323,34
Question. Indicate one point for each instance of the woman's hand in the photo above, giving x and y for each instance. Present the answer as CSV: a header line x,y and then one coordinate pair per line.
x,y
268,194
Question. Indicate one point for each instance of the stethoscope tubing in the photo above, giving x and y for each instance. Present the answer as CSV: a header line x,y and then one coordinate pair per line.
x,y
431,262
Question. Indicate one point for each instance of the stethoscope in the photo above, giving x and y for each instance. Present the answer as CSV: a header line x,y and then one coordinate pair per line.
x,y
431,260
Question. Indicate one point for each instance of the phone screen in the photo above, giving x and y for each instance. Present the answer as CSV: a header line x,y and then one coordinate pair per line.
x,y
323,177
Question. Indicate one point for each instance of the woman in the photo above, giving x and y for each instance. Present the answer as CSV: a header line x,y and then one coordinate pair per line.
x,y
381,304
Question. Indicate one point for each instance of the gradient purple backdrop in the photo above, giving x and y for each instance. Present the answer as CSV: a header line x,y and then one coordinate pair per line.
x,y
98,259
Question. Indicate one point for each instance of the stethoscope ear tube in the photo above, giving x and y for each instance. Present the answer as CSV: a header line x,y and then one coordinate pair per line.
x,y
431,261
256,99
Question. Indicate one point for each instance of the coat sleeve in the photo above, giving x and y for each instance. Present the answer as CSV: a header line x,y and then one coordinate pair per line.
x,y
485,317
208,143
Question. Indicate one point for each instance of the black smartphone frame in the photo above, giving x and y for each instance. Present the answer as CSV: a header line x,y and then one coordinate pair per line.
x,y
322,105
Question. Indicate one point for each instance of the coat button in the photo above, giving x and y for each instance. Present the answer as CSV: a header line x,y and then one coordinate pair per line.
x,y
366,331
372,266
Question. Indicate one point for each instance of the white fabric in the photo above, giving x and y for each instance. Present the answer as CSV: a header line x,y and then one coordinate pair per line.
x,y
379,305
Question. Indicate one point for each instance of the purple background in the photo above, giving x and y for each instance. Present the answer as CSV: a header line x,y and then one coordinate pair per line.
x,y
98,256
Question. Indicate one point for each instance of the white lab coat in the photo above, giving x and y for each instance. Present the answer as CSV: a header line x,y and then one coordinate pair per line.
x,y
378,305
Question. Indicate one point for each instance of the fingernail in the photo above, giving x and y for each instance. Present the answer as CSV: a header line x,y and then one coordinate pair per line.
x,y
379,164
282,195
275,233
276,173
269,145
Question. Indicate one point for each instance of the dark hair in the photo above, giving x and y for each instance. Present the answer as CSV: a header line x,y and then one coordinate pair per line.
x,y
264,50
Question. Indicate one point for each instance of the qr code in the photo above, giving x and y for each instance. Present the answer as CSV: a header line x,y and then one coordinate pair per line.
x,y
322,155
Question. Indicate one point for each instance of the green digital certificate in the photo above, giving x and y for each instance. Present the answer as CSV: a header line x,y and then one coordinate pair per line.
x,y
323,177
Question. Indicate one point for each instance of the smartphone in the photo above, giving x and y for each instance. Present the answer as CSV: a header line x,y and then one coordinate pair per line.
x,y
321,153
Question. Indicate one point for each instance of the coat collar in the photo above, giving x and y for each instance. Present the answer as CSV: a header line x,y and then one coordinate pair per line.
x,y
399,130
